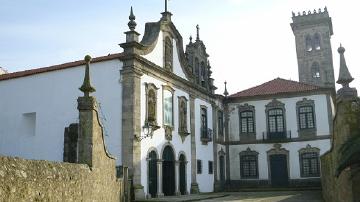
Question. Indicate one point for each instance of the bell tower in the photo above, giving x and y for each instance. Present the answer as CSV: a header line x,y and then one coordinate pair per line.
x,y
312,32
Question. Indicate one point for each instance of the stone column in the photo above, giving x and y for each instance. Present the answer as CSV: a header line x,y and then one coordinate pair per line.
x,y
148,174
177,179
194,185
215,139
160,177
227,138
186,187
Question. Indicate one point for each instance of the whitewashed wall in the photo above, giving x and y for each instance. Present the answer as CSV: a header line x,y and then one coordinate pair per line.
x,y
52,96
204,152
293,148
321,111
158,140
156,56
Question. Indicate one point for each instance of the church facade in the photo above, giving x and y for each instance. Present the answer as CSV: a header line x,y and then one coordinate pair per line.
x,y
163,120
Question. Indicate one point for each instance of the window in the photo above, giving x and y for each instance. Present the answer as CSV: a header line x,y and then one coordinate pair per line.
x,y
247,122
315,70
276,120
249,164
220,123
211,167
310,164
305,110
168,53
168,106
199,166
275,117
316,41
306,117
204,122
308,43
309,161
197,70
203,74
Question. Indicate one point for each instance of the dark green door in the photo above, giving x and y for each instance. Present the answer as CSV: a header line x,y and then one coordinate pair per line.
x,y
168,172
152,174
182,172
279,170
222,168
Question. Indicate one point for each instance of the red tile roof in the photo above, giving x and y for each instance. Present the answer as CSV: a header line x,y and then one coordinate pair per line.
x,y
57,67
274,87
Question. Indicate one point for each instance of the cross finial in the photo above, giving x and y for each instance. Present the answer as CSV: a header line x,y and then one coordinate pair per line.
x,y
166,5
197,33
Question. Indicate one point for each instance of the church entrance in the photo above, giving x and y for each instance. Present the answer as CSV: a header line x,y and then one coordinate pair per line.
x,y
168,171
152,174
182,172
279,170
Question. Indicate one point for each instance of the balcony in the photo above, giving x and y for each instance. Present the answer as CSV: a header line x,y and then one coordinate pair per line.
x,y
206,135
277,136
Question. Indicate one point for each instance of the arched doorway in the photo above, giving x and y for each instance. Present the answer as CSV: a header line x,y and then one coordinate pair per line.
x,y
168,171
182,173
152,163
222,168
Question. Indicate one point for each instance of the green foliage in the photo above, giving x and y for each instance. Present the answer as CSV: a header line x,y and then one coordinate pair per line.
x,y
349,152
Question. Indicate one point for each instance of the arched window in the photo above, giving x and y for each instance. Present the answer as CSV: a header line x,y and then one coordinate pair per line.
x,y
168,53
308,43
316,42
197,70
203,74
315,70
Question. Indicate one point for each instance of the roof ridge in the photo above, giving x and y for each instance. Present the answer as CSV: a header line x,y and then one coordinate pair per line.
x,y
66,65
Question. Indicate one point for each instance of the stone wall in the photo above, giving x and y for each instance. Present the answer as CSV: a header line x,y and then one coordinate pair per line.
x,y
29,180
346,186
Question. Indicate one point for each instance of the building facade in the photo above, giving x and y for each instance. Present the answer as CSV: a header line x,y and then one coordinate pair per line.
x,y
163,120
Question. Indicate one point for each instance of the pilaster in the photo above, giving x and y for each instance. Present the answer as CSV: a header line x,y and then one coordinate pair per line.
x,y
177,179
194,185
131,124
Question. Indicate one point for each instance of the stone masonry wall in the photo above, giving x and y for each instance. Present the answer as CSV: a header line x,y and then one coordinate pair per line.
x,y
345,187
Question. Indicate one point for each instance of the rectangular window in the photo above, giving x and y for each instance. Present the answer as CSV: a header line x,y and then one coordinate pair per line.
x,y
248,166
168,108
247,121
276,121
211,167
220,123
310,164
204,133
199,166
306,117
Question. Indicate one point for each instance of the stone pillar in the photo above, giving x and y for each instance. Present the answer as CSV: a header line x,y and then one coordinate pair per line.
x,y
186,184
227,138
160,178
177,179
194,185
215,140
131,123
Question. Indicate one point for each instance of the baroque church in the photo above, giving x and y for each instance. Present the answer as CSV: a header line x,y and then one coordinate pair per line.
x,y
162,118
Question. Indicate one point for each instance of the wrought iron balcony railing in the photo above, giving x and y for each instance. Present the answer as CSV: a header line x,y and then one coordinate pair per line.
x,y
277,136
206,135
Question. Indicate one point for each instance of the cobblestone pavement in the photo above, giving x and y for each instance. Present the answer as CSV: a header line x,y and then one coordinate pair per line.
x,y
278,196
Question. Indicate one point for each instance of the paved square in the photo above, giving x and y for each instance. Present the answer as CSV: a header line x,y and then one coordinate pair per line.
x,y
279,196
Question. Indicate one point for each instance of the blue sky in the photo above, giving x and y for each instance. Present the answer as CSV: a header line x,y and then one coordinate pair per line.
x,y
249,41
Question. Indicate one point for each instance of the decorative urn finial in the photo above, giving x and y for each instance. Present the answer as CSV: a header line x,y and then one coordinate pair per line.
x,y
86,87
226,93
344,75
132,23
